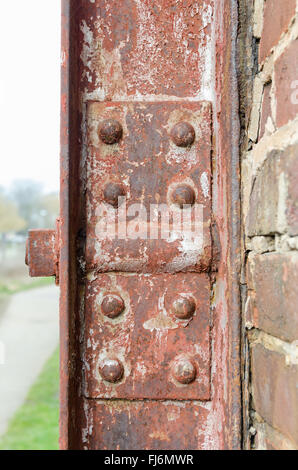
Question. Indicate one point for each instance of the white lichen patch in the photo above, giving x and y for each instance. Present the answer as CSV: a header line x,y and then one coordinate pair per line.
x,y
204,180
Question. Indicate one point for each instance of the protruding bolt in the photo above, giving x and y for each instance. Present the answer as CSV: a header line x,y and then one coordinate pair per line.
x,y
183,194
111,370
112,305
184,307
110,131
183,134
112,192
184,371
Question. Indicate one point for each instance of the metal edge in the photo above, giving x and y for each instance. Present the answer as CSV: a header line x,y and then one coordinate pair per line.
x,y
228,205
64,227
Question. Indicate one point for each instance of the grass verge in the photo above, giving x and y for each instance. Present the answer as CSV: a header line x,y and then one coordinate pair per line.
x,y
35,424
12,286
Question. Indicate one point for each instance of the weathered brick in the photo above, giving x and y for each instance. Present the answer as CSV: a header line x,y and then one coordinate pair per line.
x,y
264,218
273,205
291,165
275,391
277,18
286,85
274,279
269,181
268,438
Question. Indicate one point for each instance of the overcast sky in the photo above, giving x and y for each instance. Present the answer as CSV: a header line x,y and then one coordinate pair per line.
x,y
29,91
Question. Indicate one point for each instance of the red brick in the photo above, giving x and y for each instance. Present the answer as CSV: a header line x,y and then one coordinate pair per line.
x,y
286,76
266,108
275,391
291,167
277,17
279,174
263,204
268,438
274,278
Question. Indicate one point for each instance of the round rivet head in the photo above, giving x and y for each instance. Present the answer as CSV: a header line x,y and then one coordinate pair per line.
x,y
111,370
184,371
183,134
112,192
184,307
110,131
112,305
182,195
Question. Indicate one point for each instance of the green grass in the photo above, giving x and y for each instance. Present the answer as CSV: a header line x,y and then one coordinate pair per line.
x,y
12,286
35,425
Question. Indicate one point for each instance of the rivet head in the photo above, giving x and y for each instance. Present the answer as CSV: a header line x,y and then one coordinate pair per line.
x,y
111,370
184,371
112,305
184,307
183,194
110,131
183,134
112,192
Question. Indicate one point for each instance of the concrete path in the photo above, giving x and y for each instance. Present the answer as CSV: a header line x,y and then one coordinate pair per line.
x,y
29,332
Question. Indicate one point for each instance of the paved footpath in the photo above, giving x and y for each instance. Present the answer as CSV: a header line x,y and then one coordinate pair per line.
x,y
29,332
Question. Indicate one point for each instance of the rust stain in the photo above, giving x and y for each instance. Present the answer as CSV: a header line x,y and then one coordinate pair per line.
x,y
136,47
150,168
147,354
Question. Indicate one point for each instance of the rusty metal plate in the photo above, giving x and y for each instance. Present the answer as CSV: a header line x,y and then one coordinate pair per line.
x,y
138,48
42,253
145,167
146,337
142,425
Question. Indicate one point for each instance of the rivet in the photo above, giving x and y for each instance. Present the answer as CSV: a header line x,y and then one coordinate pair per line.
x,y
184,371
112,305
112,192
184,307
183,194
183,134
110,131
111,370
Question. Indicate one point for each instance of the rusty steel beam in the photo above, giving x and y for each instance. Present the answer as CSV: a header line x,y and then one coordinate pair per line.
x,y
143,52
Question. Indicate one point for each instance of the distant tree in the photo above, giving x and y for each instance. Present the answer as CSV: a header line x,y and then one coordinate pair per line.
x,y
49,209
27,195
10,219
39,210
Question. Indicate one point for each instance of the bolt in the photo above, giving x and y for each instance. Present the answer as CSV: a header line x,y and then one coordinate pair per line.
x,y
184,371
112,192
110,131
112,305
183,194
111,370
184,307
183,134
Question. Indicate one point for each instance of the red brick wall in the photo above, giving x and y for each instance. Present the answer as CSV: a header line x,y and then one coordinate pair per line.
x,y
270,229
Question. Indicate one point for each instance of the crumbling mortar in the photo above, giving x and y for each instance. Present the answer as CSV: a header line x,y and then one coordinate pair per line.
x,y
288,350
272,243
247,55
